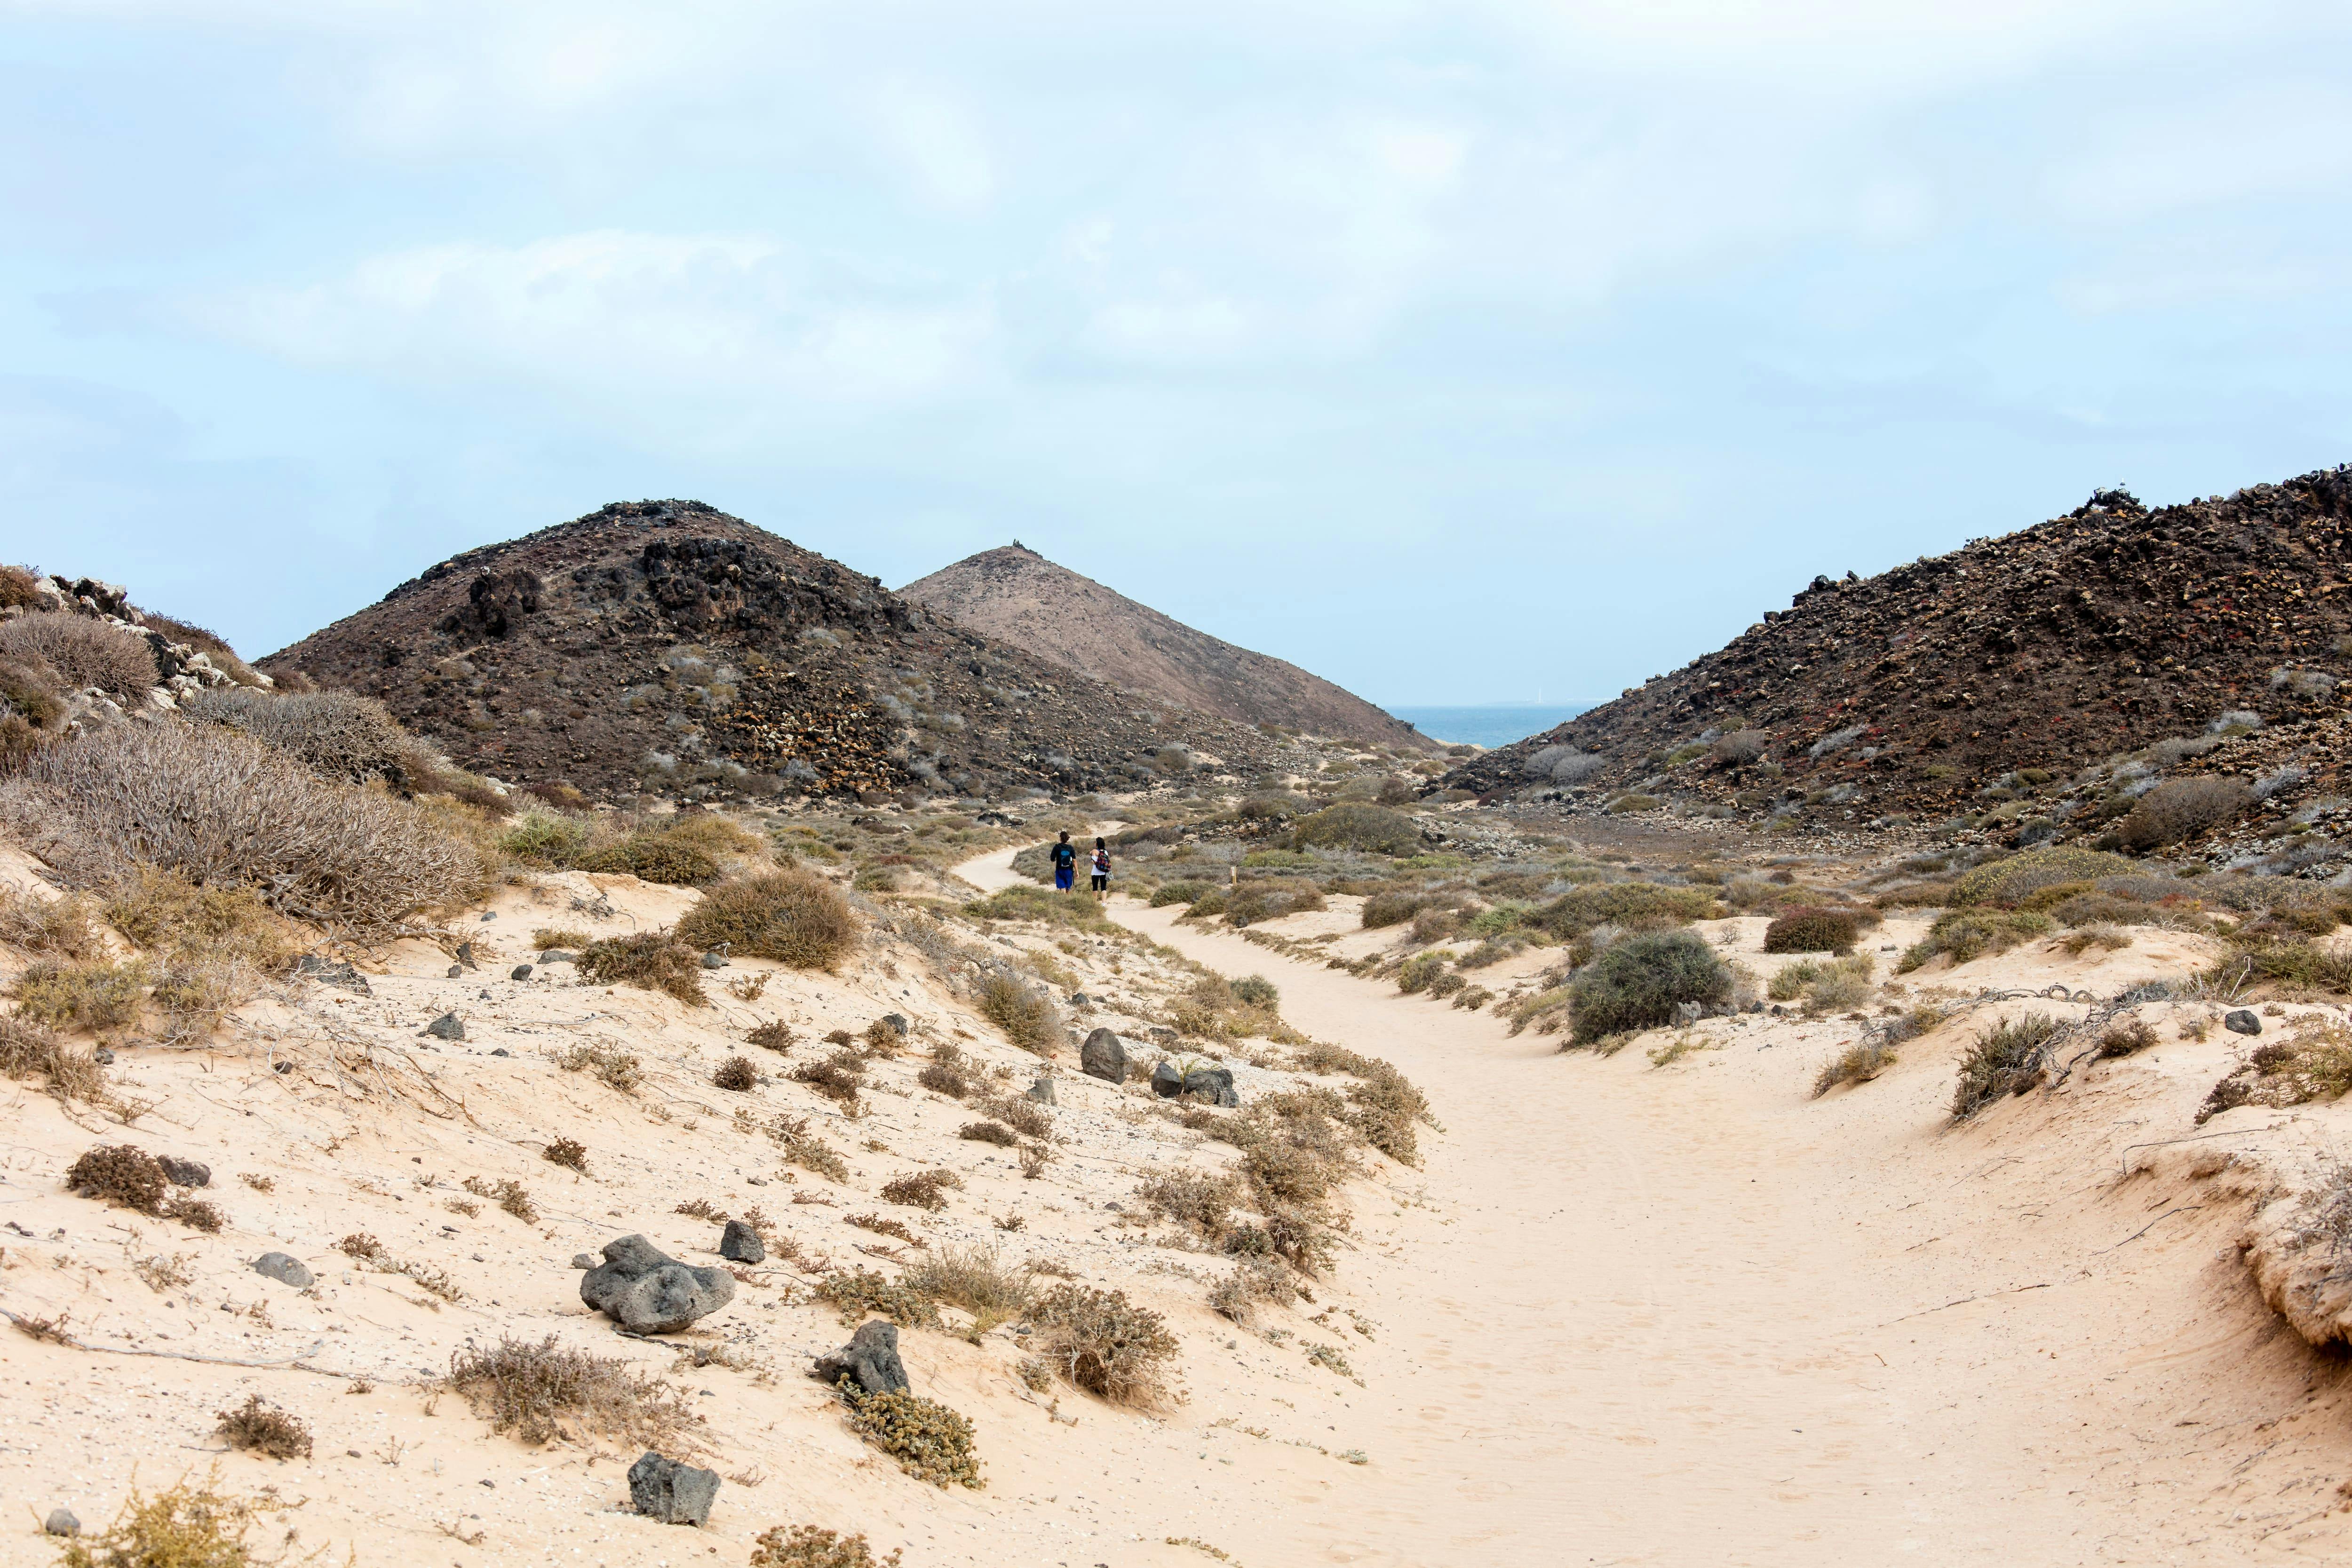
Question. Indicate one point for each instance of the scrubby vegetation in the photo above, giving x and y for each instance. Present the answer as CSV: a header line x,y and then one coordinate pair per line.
x,y
977,1280
2312,1062
1023,1011
545,1392
793,917
1968,934
1638,983
83,652
184,1526
929,1441
1857,1063
262,1428
651,961
812,1546
2006,1059
1104,1344
1812,930
1825,985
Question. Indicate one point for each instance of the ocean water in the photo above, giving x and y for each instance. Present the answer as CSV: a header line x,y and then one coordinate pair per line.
x,y
1496,724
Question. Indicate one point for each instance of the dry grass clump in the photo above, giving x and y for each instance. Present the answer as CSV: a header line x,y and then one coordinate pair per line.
x,y
262,1428
977,1280
1813,931
882,1225
1022,1011
60,928
839,1077
793,916
1003,1137
861,1292
773,1036
1831,985
612,1067
2007,1059
85,651
1637,983
559,938
2294,964
946,1072
810,1546
930,1442
651,858
546,1391
1968,935
185,1526
1202,1202
925,1190
800,1146
508,1194
95,993
1855,1064
223,811
737,1074
1383,1109
336,734
2312,1062
651,961
28,1050
1023,1115
2127,1036
2182,808
1255,1282
1103,1342
568,1152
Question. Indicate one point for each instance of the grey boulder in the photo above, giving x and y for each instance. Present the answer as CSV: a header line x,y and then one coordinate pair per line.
x,y
520,971
557,955
284,1267
741,1244
447,1027
61,1522
646,1291
664,1490
871,1358
342,976
584,1260
1104,1056
714,960
1210,1086
184,1173
2242,1021
1041,1091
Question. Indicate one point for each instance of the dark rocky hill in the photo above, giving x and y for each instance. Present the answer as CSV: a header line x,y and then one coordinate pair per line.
x,y
1018,596
1931,689
666,645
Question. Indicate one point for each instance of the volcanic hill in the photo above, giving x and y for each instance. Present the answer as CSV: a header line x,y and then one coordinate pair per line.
x,y
2100,632
666,645
1018,596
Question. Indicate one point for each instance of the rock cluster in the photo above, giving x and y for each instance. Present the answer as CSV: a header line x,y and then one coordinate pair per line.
x,y
647,1292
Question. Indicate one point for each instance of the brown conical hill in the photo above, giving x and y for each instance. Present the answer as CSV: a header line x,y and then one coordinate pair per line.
x,y
666,645
1016,595
1980,682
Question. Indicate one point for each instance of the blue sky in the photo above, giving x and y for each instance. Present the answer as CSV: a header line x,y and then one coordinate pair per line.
x,y
1454,351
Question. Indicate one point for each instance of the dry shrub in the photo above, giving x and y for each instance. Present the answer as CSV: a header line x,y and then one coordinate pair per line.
x,y
2312,1062
194,1213
1813,931
839,1077
612,1067
335,735
652,858
1968,934
861,1292
2182,808
2082,939
27,1050
930,1442
20,589
1205,1202
793,917
1855,1064
508,1194
1022,1011
921,1189
2007,1059
185,1526
568,1152
262,1428
1023,1115
2127,1036
1253,1283
544,1391
86,651
559,938
1827,985
121,1174
1103,1342
811,1546
989,1133
1353,825
738,1074
800,1146
882,1225
651,961
977,1280
224,810
774,1036
60,928
96,994
945,1072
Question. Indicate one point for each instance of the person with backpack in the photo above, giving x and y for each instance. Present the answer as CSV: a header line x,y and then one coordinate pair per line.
x,y
1066,865
1100,882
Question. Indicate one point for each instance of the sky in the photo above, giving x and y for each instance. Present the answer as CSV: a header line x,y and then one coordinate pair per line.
x,y
1458,353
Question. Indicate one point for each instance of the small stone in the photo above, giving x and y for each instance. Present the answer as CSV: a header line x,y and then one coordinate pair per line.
x,y
1041,1091
489,914
284,1267
61,1522
557,955
1104,1056
102,1056
644,1289
714,960
871,1358
184,1173
896,1024
466,953
520,971
500,1051
757,1181
662,1488
2242,1021
445,1027
1078,999
584,1260
456,971
741,1244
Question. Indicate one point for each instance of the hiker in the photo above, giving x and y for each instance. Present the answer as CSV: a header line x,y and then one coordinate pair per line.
x,y
1066,865
1101,879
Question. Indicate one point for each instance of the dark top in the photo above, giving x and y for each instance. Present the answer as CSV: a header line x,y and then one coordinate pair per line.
x,y
1064,857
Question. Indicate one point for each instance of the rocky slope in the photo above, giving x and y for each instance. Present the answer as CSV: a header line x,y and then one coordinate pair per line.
x,y
1923,688
1018,596
666,645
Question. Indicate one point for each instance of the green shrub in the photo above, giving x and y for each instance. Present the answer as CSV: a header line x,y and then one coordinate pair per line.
x,y
1968,935
1177,893
540,837
1024,903
1353,825
793,917
2011,881
95,993
2182,808
1630,904
1855,1064
1256,991
862,1292
930,1442
2007,1059
1419,971
1638,983
812,1546
1813,931
2296,963
653,858
1828,985
1022,1011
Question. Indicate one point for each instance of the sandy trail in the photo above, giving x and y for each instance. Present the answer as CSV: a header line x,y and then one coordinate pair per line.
x,y
1692,1315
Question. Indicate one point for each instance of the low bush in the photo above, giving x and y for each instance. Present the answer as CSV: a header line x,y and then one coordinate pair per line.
x,y
86,652
840,1077
59,928
1204,1204
1254,1282
649,960
977,1280
1350,825
860,1293
2182,808
1968,934
508,1194
929,1441
2013,880
185,1526
102,995
1812,930
2007,1059
2312,1062
800,1146
1630,904
811,1546
2294,964
1267,899
612,1067
925,1190
1638,983
1103,1342
2082,939
1023,1115
261,1428
1419,971
793,917
1391,908
946,1072
564,938
1177,893
121,1174
1830,986
775,1034
994,1132
2127,1036
1021,1011
735,1074
28,1050
185,923
545,1392
1855,1064
335,735
542,836
568,1152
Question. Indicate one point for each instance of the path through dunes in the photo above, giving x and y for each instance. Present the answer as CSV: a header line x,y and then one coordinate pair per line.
x,y
1691,1315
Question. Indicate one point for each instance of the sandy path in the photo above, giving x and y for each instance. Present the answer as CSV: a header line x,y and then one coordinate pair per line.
x,y
1691,1315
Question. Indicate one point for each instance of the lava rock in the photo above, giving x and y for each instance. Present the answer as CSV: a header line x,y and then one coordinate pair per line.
x,y
1041,1091
1166,1081
184,1173
520,971
663,1488
342,976
1078,999
584,1260
871,1357
714,960
896,1022
284,1267
1104,1056
456,971
445,1027
61,1522
102,1056
557,955
1212,1086
466,953
2242,1021
644,1289
741,1244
